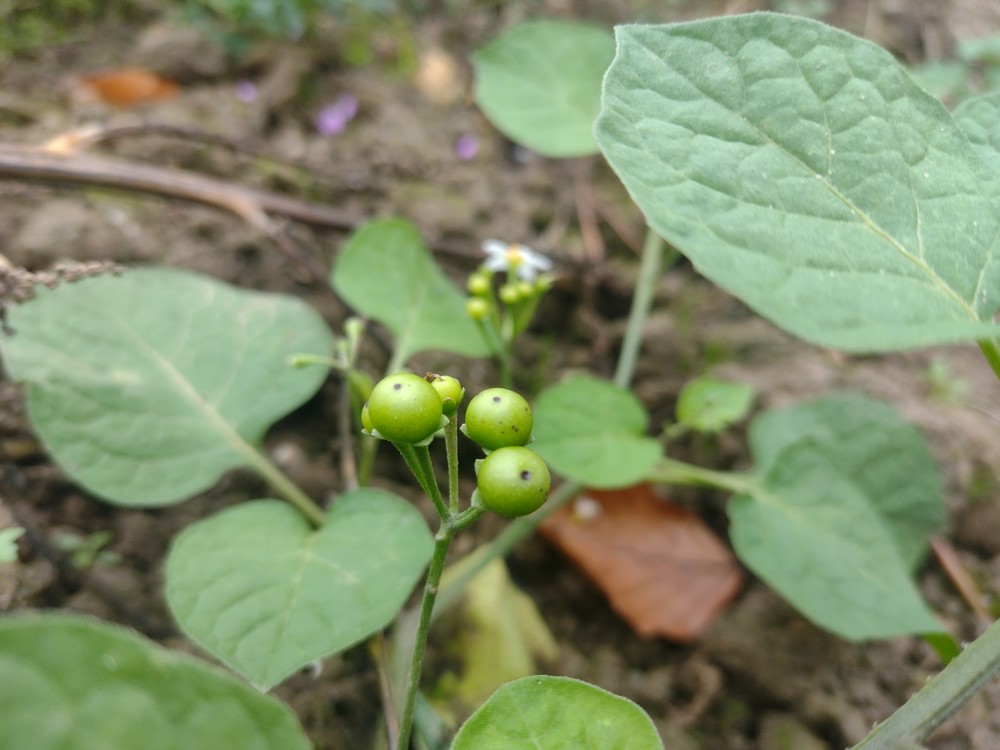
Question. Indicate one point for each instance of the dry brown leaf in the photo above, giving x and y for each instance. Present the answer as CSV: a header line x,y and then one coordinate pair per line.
x,y
127,87
664,571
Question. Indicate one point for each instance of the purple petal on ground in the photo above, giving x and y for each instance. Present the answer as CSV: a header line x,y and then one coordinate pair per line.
x,y
333,118
466,147
246,91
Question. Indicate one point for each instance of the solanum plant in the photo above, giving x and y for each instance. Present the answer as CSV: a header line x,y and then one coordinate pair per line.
x,y
802,170
797,166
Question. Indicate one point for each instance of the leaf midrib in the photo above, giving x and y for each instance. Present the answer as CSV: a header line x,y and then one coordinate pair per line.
x,y
201,404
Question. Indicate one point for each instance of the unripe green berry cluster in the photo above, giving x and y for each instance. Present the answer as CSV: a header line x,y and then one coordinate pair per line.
x,y
512,480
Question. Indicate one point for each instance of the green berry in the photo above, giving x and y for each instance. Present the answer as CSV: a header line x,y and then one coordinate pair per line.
x,y
477,308
510,294
449,389
366,418
405,408
513,481
498,417
479,284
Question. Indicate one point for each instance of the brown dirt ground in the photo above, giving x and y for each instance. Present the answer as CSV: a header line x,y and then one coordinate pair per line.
x,y
762,678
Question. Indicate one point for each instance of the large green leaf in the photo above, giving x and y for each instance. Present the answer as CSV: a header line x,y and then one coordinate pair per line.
x,y
266,593
557,713
866,440
146,388
979,119
847,499
594,432
384,271
801,169
540,83
72,682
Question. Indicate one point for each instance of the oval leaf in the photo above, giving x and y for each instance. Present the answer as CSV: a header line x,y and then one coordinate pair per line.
x,y
593,432
867,441
848,498
385,272
557,713
68,681
527,89
711,405
146,388
263,591
802,170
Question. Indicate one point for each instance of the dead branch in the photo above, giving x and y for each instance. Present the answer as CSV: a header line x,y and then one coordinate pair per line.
x,y
40,165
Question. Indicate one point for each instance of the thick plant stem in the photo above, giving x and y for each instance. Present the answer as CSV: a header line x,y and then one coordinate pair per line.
x,y
642,299
441,542
944,694
991,351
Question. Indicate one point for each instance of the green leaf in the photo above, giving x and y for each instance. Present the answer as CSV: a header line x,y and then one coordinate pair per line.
x,y
593,432
979,119
146,388
385,272
557,713
263,591
802,170
867,441
71,682
711,405
848,498
540,84
8,543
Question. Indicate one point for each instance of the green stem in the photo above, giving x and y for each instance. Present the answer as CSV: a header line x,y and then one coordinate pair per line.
x,y
304,360
642,299
944,694
418,458
672,471
286,488
441,542
516,532
495,341
397,361
992,353
525,312
367,451
451,448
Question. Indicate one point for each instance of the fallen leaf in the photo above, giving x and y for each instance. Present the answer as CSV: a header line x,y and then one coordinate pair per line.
x,y
663,570
500,636
127,87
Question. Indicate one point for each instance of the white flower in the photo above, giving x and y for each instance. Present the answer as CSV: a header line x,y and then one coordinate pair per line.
x,y
519,260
